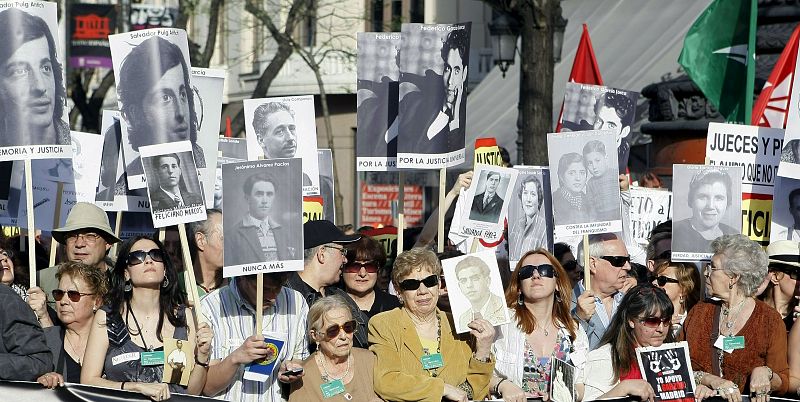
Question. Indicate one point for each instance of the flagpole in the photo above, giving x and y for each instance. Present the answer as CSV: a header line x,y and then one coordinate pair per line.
x,y
751,62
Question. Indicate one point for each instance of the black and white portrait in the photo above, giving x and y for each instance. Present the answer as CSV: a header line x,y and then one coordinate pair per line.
x,y
263,223
486,202
326,185
154,94
173,184
284,128
562,381
530,220
113,193
32,93
207,90
585,189
786,210
377,100
85,164
707,203
478,290
592,107
434,62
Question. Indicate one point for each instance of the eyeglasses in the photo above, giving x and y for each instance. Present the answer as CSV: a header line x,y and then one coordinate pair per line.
x,y
355,267
6,253
89,238
663,280
342,250
348,328
654,322
73,295
617,261
544,270
413,284
709,268
137,257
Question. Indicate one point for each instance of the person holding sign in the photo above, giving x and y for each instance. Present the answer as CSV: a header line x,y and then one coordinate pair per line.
x,y
642,320
709,199
419,357
32,93
125,349
336,368
746,350
542,330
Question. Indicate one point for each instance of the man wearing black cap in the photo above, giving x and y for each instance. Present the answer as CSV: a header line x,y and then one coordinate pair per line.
x,y
323,259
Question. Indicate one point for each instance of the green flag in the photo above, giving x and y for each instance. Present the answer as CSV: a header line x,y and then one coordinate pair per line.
x,y
718,55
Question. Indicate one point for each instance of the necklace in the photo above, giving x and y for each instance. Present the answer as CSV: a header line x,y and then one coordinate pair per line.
x,y
731,317
544,329
419,322
74,350
434,371
326,376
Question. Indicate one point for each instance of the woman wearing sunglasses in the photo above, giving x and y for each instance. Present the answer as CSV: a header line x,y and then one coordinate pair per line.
x,y
683,285
781,287
750,331
365,258
80,293
336,368
145,306
419,357
642,319
542,330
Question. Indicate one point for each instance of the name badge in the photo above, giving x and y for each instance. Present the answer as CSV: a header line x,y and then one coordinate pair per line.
x,y
153,358
332,388
733,343
433,361
125,357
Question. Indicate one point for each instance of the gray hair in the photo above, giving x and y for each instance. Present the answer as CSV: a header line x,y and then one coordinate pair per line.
x,y
316,313
597,246
309,253
743,258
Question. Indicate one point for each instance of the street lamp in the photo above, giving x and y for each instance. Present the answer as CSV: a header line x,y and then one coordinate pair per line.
x,y
504,30
559,26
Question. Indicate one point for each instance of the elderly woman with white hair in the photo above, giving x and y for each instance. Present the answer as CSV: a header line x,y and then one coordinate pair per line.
x,y
738,344
336,369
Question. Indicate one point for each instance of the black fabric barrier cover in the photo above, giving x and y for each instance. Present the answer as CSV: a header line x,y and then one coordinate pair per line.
x,y
32,391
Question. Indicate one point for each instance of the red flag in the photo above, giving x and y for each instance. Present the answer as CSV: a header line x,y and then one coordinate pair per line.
x,y
228,130
772,106
584,67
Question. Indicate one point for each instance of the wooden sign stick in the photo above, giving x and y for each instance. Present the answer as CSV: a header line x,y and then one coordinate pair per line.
x,y
191,282
31,227
259,304
587,276
56,222
401,208
440,235
117,231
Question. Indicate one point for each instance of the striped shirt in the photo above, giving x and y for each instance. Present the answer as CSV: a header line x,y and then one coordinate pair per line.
x,y
233,319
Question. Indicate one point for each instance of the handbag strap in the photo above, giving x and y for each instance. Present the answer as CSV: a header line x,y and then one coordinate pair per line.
x,y
715,352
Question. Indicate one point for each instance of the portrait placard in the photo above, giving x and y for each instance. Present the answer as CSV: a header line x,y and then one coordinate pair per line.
x,y
263,223
757,150
86,164
232,149
649,207
668,369
790,153
207,92
594,107
113,193
785,221
154,94
706,204
475,289
178,361
585,190
284,128
326,184
488,196
47,200
562,381
377,100
530,216
434,60
173,184
33,121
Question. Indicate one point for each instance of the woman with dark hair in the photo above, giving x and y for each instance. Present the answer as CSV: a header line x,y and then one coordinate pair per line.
x,y
365,258
709,198
156,98
14,269
563,254
570,204
31,96
681,281
643,319
144,307
542,330
530,231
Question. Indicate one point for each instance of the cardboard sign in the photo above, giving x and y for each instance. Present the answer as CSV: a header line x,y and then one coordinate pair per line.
x,y
756,149
487,152
312,209
649,207
668,369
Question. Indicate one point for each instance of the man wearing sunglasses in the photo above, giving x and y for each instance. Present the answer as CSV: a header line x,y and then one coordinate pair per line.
x,y
86,237
323,259
609,263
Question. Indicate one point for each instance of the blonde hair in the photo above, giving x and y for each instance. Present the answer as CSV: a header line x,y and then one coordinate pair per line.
x,y
415,259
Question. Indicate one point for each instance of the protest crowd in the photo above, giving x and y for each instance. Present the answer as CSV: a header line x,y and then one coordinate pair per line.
x,y
565,283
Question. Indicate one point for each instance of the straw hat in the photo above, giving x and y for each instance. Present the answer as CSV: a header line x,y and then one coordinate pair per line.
x,y
784,252
86,216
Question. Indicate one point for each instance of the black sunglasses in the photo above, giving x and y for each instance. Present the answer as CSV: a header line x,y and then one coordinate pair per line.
x,y
663,280
73,295
137,257
348,327
793,273
618,261
544,270
413,284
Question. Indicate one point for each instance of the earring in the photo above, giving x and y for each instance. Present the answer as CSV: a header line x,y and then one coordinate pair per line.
x,y
94,309
520,299
730,286
558,297
128,286
165,283
681,300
